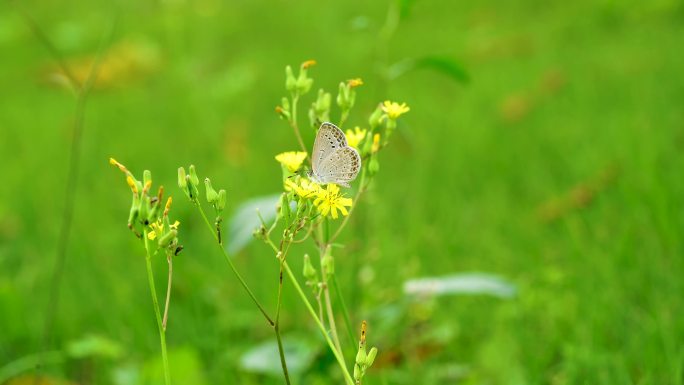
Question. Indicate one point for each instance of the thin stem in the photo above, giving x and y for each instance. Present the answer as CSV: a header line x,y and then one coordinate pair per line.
x,y
331,318
293,122
345,313
336,353
326,290
233,268
276,327
168,290
155,302
362,188
343,118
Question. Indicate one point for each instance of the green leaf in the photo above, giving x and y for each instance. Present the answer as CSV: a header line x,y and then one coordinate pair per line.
x,y
461,284
265,359
245,220
94,346
442,64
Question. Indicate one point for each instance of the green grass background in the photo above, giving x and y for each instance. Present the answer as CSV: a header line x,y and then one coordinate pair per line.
x,y
559,92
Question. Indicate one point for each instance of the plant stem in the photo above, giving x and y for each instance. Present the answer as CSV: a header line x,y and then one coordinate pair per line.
x,y
155,302
276,327
293,122
233,268
336,353
345,313
168,291
362,188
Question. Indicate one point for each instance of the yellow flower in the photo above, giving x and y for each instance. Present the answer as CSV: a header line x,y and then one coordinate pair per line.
x,y
292,160
330,200
353,83
132,184
376,143
158,228
394,109
308,64
355,137
304,188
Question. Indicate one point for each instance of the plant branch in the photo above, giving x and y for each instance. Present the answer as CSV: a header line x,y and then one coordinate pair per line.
x,y
155,302
232,266
338,355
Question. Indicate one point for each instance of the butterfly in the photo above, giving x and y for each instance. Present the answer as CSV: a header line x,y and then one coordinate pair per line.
x,y
332,160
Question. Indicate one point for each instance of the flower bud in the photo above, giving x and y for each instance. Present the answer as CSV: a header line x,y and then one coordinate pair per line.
x,y
290,80
166,239
182,182
212,195
370,358
284,208
147,177
361,355
343,96
358,374
328,264
373,165
309,271
193,175
222,199
375,118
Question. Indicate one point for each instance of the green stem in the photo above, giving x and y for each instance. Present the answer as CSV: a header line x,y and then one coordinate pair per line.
x,y
338,355
276,327
155,302
293,121
345,312
233,268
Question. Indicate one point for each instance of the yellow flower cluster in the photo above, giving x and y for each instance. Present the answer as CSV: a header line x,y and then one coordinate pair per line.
x,y
158,228
354,137
394,109
292,160
327,200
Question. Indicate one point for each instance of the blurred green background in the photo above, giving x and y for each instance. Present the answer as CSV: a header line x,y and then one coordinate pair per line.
x,y
543,146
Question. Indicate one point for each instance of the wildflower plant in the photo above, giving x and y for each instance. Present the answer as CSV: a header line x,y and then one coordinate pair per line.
x,y
307,211
149,220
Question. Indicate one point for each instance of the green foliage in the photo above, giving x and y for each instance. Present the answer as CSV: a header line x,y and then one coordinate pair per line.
x,y
497,176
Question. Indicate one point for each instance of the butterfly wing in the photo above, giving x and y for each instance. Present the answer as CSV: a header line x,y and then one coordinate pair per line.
x,y
328,140
340,167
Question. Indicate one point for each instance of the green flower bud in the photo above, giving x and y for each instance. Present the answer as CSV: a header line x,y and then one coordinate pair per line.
x,y
285,208
135,210
370,358
373,165
375,118
212,195
147,177
309,271
343,97
328,264
193,175
166,239
361,355
145,210
222,199
313,119
290,80
182,182
358,373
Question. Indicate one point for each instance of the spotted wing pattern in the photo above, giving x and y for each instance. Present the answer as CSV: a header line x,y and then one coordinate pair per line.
x,y
341,167
333,161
